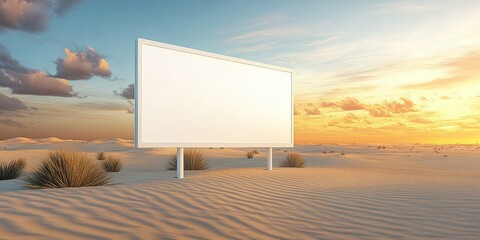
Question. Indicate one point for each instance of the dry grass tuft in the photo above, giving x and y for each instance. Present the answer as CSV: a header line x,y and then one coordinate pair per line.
x,y
101,156
67,168
193,160
12,169
251,154
112,164
294,160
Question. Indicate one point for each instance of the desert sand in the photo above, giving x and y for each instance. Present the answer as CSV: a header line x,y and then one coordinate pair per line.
x,y
369,192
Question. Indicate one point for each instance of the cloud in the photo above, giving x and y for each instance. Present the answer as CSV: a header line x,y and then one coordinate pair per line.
x,y
296,111
131,109
403,106
23,80
83,64
350,118
274,33
35,83
388,108
11,103
64,6
419,120
328,104
312,111
31,16
12,123
266,33
351,104
462,70
379,111
7,62
401,8
127,93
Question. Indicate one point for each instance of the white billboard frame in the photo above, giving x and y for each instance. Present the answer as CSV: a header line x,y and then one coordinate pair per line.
x,y
139,143
138,100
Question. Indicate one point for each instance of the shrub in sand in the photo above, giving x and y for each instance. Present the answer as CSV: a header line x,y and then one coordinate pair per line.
x,y
192,160
12,169
250,154
101,156
112,164
67,168
294,160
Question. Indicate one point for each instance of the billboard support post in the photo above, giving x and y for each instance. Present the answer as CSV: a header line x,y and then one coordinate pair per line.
x,y
270,159
180,156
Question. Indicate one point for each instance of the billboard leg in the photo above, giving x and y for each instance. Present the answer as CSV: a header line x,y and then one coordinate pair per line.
x,y
270,159
180,162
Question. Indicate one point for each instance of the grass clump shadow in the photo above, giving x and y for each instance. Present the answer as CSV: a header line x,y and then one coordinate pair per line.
x,y
12,169
67,168
193,160
112,164
293,160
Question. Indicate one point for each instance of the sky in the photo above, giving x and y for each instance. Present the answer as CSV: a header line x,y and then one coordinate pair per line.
x,y
364,71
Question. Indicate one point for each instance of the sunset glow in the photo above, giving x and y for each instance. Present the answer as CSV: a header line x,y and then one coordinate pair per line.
x,y
370,71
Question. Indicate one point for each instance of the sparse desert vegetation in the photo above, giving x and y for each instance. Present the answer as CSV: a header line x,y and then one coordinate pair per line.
x,y
416,178
250,154
294,160
193,160
112,164
101,156
12,169
67,168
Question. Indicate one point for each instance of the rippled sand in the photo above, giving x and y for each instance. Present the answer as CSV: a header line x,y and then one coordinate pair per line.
x,y
367,193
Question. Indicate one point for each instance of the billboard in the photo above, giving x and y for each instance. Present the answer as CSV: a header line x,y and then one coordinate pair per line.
x,y
191,98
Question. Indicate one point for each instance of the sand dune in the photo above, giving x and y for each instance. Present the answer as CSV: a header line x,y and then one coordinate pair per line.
x,y
367,193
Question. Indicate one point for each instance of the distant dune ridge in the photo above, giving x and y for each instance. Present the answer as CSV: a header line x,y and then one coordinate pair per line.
x,y
368,192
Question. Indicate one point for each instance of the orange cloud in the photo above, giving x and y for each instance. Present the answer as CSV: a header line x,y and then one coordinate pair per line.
x,y
388,108
403,106
350,118
31,16
83,64
351,104
462,70
328,104
419,120
312,110
23,80
379,111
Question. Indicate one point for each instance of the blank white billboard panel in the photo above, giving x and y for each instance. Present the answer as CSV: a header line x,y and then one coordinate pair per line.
x,y
190,98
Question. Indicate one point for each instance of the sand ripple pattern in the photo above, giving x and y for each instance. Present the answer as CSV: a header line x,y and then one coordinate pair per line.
x,y
309,203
